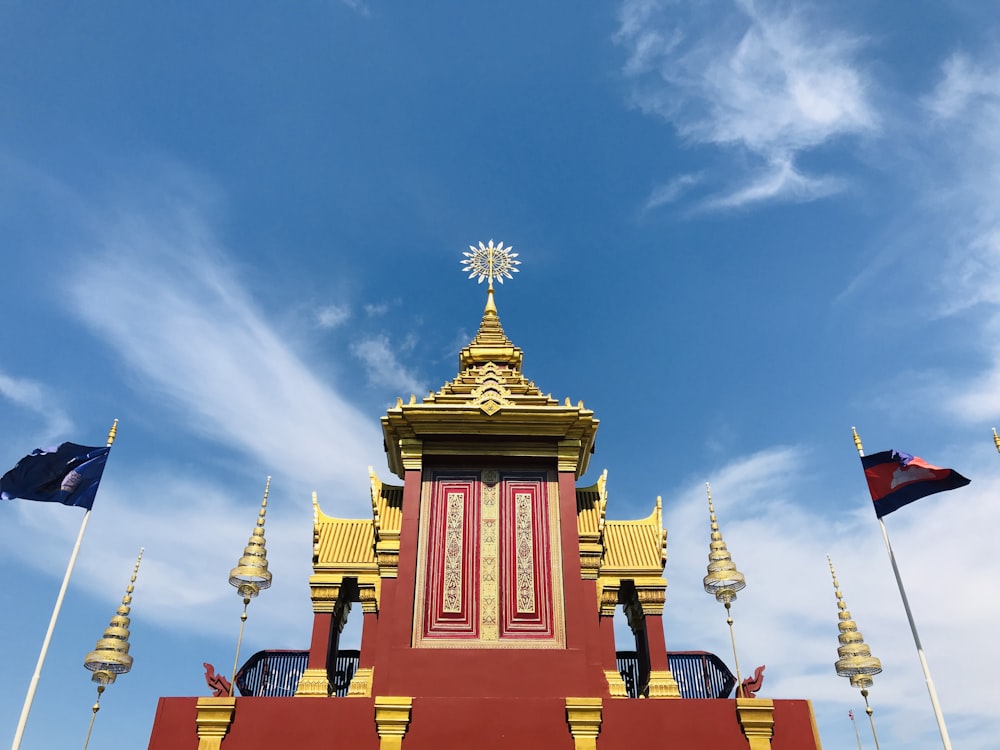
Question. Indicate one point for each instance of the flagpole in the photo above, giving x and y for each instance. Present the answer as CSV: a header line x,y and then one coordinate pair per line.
x,y
855,725
913,627
33,686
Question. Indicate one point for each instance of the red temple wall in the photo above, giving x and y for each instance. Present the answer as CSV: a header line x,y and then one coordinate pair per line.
x,y
484,723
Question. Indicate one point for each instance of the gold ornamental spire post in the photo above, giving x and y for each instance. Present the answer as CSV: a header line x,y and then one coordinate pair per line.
x,y
856,661
489,261
996,439
110,656
945,739
251,576
723,580
36,676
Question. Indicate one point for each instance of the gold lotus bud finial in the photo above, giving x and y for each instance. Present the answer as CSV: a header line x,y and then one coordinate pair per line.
x,y
251,576
723,579
996,439
110,656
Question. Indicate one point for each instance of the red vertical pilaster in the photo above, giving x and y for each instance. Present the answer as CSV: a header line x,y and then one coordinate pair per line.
x,y
320,645
655,642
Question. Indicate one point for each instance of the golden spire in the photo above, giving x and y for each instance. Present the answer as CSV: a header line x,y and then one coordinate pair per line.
x,y
996,439
856,661
251,576
110,656
723,580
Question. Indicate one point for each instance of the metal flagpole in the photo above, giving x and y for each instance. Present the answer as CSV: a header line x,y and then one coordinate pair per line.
x,y
33,686
913,627
855,725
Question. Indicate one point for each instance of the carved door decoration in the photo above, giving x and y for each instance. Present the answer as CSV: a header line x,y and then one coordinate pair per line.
x,y
489,571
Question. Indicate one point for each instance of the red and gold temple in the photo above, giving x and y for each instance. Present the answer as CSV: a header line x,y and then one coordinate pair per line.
x,y
487,583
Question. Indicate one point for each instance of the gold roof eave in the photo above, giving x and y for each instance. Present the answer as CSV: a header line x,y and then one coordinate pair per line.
x,y
574,427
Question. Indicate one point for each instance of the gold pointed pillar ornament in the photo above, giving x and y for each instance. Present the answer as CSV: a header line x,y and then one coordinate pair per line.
x,y
996,439
110,656
251,576
723,580
856,661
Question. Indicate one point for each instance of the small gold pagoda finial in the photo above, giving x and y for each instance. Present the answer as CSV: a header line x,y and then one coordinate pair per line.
x,y
110,656
996,439
857,442
723,579
251,576
856,661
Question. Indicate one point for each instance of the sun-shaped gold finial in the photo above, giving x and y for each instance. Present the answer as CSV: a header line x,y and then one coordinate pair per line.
x,y
490,262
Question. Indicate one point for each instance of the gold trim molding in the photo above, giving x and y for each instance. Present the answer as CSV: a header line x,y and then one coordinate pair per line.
x,y
313,683
616,684
361,683
663,685
756,716
213,719
392,718
584,718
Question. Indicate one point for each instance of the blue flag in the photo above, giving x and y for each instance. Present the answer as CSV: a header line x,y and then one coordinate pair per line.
x,y
68,474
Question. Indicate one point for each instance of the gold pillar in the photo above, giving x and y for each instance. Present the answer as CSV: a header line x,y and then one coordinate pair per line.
x,y
756,716
213,720
392,717
584,718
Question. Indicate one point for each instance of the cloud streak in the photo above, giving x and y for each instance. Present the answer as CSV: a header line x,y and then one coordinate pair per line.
x,y
161,294
765,81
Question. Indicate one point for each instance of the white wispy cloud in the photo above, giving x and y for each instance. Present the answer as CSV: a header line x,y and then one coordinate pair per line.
x,y
764,79
161,294
332,316
671,191
383,367
37,398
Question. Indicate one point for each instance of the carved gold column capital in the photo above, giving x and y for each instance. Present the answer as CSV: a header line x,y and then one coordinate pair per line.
x,y
651,600
411,451
569,455
392,717
756,716
584,718
214,716
324,595
607,596
369,592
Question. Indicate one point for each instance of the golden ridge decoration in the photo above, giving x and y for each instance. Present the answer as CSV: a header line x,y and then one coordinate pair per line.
x,y
454,520
489,555
525,557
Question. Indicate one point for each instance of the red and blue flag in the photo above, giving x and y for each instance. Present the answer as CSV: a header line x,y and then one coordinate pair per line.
x,y
68,474
896,479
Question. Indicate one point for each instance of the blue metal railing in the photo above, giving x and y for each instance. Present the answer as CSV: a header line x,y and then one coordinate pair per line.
x,y
272,674
275,674
699,674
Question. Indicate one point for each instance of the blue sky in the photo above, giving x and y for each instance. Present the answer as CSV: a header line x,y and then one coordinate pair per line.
x,y
744,227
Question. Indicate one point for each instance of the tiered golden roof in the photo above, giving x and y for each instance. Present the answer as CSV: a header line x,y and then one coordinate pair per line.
x,y
486,404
